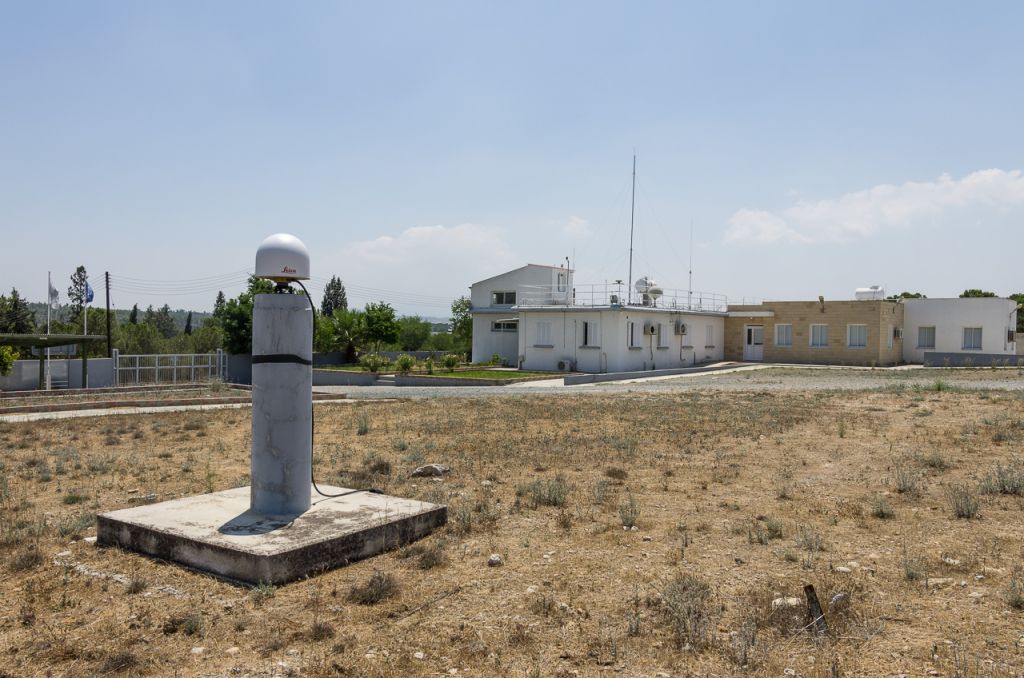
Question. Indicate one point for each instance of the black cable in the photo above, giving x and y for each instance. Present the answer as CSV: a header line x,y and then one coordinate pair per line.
x,y
312,422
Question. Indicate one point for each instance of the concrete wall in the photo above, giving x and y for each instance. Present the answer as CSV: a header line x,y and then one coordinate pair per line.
x,y
342,378
24,374
949,317
881,318
521,281
548,336
971,359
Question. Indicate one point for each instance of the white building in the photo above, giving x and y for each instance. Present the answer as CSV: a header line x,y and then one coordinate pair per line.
x,y
617,338
495,323
984,326
535,318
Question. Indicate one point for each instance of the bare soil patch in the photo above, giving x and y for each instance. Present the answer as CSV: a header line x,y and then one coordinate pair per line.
x,y
739,499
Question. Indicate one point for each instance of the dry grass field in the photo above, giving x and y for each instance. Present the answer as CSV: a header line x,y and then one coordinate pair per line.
x,y
902,507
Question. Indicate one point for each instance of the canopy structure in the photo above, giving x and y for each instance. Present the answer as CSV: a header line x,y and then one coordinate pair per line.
x,y
49,341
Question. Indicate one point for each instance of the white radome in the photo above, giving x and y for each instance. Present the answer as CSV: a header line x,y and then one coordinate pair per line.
x,y
282,257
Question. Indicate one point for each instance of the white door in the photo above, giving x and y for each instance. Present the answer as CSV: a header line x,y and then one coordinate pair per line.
x,y
753,343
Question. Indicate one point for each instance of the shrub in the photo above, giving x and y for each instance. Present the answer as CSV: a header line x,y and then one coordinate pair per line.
x,y
963,501
550,492
880,509
689,612
380,586
629,511
7,357
616,473
405,363
450,361
1005,479
372,362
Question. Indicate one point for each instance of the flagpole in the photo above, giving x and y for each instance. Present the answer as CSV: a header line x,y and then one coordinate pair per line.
x,y
85,307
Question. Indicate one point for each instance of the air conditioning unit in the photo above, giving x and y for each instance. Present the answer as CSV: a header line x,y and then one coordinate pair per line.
x,y
897,333
565,366
650,329
613,299
680,327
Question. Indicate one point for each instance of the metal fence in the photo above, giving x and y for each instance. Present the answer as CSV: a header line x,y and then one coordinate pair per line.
x,y
615,294
171,368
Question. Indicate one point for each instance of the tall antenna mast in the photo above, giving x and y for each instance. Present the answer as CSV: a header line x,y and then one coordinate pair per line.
x,y
632,213
689,287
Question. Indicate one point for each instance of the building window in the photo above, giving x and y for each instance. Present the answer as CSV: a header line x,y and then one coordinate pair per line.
x,y
926,337
543,333
503,298
972,338
709,336
589,333
783,335
819,336
630,334
504,326
856,336
662,336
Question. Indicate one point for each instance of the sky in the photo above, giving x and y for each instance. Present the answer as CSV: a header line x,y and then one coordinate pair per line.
x,y
810,148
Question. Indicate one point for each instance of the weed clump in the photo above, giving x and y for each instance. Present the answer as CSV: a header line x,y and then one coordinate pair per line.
x,y
963,501
550,492
689,611
380,586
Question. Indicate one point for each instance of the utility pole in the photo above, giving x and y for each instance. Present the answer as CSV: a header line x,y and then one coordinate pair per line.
x,y
632,213
106,279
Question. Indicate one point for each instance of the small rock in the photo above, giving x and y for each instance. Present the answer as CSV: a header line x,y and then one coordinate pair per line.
x,y
531,589
232,650
780,603
430,471
495,560
486,483
789,672
90,540
950,561
648,537
634,529
419,655
198,650
63,554
844,570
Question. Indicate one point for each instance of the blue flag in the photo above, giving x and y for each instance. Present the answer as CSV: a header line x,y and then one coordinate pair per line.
x,y
88,292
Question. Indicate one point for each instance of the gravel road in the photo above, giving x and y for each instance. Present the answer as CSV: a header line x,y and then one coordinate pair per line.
x,y
742,379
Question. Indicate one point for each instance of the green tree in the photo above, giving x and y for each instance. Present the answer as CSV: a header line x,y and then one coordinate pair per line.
x,y
334,297
218,305
413,333
188,324
906,295
139,339
442,341
150,316
349,330
76,293
15,315
381,326
133,317
7,357
164,322
462,324
237,317
974,293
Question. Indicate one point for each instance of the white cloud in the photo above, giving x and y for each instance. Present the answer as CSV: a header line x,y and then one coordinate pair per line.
x,y
879,209
425,265
577,227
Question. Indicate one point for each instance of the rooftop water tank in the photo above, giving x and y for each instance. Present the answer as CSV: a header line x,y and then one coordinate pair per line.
x,y
873,293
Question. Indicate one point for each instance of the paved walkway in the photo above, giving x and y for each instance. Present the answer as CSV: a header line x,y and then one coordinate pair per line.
x,y
104,412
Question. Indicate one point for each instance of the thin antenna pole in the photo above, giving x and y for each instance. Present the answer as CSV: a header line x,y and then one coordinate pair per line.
x,y
632,213
689,288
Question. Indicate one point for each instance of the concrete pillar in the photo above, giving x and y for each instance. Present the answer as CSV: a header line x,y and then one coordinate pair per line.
x,y
282,397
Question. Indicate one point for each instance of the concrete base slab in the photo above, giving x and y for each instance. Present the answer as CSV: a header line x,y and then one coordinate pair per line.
x,y
217,533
